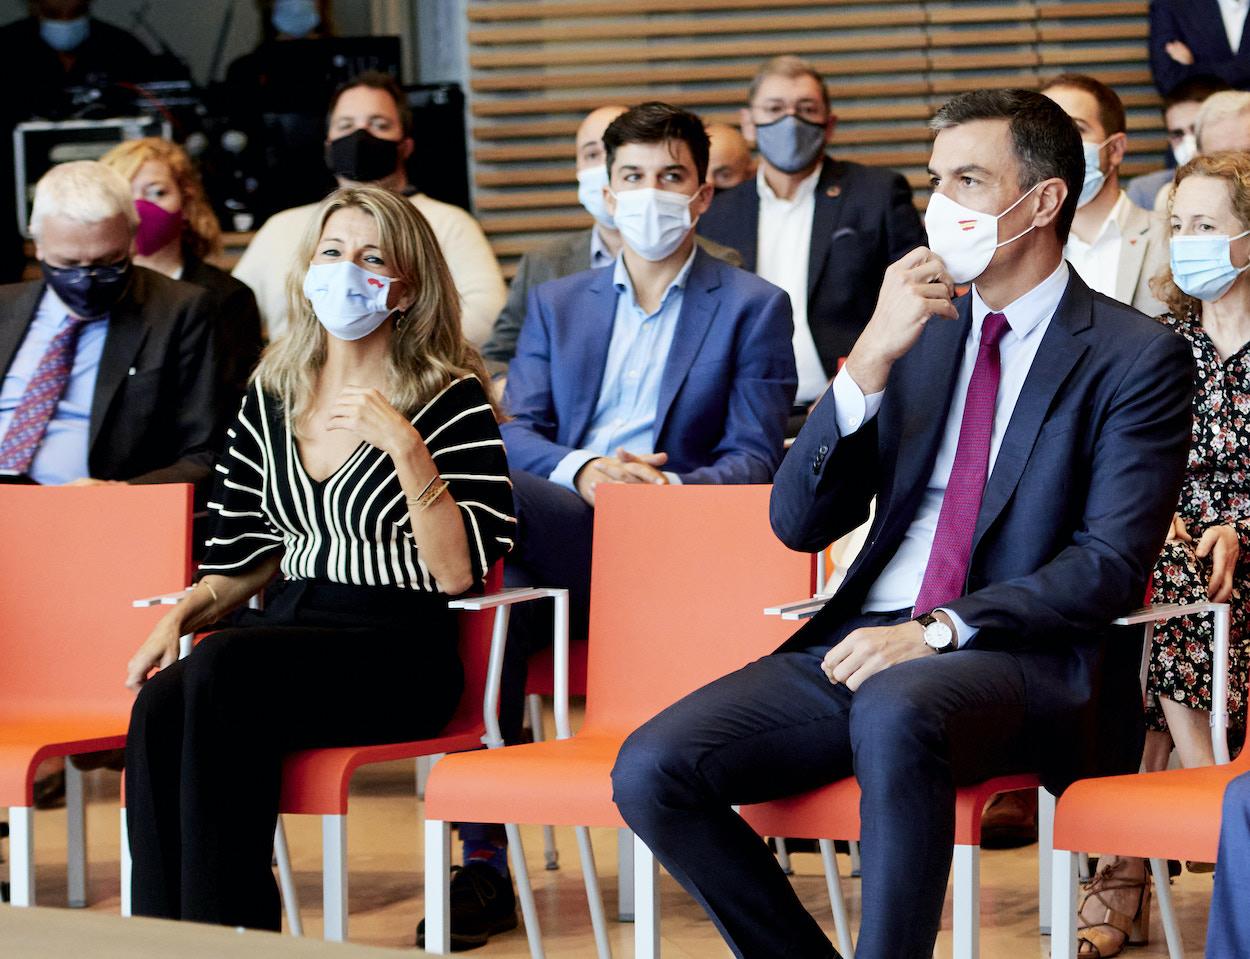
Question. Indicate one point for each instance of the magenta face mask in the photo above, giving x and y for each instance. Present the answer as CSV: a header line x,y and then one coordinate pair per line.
x,y
157,227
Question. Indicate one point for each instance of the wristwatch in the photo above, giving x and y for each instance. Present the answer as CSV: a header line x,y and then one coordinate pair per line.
x,y
937,635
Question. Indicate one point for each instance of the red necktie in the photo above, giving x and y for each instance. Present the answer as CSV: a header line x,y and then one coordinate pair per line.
x,y
44,391
947,569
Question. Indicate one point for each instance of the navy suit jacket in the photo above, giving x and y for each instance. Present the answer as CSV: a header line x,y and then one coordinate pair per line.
x,y
863,221
1197,24
725,394
1074,513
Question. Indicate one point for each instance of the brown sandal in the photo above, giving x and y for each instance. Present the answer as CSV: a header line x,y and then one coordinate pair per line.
x,y
1104,930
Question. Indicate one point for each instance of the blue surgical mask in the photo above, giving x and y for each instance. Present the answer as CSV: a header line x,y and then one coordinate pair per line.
x,y
295,18
65,35
1202,266
590,184
1094,177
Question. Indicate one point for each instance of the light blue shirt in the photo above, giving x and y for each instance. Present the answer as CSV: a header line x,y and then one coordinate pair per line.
x,y
624,416
62,456
599,255
1028,318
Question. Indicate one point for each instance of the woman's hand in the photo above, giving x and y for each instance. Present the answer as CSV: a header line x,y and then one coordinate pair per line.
x,y
1221,544
367,413
158,651
1178,532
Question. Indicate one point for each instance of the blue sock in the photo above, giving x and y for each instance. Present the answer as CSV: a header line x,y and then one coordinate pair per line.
x,y
479,844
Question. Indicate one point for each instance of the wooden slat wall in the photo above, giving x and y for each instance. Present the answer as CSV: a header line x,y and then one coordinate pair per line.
x,y
538,66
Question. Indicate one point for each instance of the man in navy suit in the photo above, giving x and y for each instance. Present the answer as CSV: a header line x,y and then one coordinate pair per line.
x,y
823,230
1194,38
1025,445
665,366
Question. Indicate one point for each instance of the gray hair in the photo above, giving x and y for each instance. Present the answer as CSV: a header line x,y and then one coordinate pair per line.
x,y
84,191
1221,106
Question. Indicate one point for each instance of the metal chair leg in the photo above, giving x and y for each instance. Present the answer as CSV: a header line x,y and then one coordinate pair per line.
x,y
837,902
334,876
126,870
75,836
1063,905
437,887
646,903
967,912
286,880
594,898
625,875
1045,845
21,855
525,891
1167,914
783,855
856,865
534,707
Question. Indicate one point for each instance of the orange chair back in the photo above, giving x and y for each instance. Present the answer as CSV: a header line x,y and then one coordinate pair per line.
x,y
681,577
475,635
71,562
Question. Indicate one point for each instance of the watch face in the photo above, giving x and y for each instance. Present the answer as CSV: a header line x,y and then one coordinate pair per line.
x,y
937,635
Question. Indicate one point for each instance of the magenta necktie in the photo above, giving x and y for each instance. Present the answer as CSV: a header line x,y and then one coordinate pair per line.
x,y
947,569
44,391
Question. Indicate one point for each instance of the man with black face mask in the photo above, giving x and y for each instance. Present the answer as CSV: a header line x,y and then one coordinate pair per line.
x,y
368,140
107,368
823,230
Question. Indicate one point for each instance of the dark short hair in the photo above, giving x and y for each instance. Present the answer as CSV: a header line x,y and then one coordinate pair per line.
x,y
1045,140
375,80
656,122
1110,108
791,68
1193,90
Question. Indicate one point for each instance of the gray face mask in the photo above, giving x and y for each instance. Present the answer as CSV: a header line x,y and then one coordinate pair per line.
x,y
790,144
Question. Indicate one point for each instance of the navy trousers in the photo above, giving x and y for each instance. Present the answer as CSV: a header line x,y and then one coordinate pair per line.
x,y
1228,927
911,734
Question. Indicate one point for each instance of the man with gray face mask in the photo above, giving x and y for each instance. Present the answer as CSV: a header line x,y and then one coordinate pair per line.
x,y
823,230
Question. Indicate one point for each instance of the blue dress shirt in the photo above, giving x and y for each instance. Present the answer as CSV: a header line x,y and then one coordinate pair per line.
x,y
625,413
62,456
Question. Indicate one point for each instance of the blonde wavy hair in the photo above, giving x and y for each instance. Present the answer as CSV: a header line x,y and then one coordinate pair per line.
x,y
428,349
1234,170
202,236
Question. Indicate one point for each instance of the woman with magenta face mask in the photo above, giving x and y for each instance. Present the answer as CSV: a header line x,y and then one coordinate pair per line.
x,y
177,232
1207,292
365,471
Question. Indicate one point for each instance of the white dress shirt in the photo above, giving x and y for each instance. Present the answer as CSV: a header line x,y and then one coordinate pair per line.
x,y
1098,263
1028,318
1233,13
783,248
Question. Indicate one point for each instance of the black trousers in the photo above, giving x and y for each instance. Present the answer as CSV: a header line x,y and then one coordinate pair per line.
x,y
778,727
324,665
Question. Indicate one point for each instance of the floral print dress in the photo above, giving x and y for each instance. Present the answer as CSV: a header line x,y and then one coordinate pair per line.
x,y
1216,492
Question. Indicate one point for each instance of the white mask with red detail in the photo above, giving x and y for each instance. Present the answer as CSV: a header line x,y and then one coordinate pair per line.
x,y
350,302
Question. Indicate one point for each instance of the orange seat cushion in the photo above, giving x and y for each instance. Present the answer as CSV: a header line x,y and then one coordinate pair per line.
x,y
26,742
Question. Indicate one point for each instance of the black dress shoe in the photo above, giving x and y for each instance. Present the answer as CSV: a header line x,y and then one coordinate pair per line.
x,y
482,905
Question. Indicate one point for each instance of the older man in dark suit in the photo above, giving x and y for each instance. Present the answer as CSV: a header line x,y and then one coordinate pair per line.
x,y
1025,445
823,230
107,367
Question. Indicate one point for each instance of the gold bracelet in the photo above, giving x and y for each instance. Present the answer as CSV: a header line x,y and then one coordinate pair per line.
x,y
433,497
433,479
211,592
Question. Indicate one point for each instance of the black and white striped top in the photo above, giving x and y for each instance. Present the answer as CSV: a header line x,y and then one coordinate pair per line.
x,y
354,527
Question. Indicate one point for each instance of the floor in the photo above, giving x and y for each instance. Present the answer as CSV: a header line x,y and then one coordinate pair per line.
x,y
385,891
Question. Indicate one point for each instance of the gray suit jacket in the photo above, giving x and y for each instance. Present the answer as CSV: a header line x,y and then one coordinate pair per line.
x,y
563,256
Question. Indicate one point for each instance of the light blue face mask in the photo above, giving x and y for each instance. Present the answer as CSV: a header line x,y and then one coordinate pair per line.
x,y
1202,266
295,18
1094,177
65,35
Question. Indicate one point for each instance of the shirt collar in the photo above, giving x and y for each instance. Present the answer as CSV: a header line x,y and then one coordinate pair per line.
x,y
1112,226
624,284
599,253
806,188
1026,312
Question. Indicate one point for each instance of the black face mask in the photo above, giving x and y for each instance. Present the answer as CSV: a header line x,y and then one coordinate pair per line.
x,y
88,291
361,157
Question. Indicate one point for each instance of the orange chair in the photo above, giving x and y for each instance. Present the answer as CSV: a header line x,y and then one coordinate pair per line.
x,y
1157,816
680,574
70,561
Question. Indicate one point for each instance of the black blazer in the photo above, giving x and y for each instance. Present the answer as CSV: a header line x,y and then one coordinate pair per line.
x,y
152,413
236,327
1074,514
1198,25
864,220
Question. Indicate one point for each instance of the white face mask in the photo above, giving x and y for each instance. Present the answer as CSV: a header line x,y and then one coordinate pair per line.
x,y
1186,149
1094,177
966,239
653,222
590,184
349,302
1202,266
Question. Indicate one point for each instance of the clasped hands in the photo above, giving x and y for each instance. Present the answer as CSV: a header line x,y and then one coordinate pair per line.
x,y
624,467
1222,545
869,650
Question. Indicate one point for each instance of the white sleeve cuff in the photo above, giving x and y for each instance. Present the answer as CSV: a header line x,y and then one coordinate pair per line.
x,y
851,407
673,478
566,470
963,632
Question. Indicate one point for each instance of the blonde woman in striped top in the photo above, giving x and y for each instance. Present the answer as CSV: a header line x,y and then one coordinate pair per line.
x,y
365,466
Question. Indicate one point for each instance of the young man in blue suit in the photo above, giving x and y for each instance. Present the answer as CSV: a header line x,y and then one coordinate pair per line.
x,y
1025,445
823,230
665,366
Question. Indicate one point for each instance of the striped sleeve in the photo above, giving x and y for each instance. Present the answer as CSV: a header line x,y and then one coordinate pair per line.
x,y
242,535
461,433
